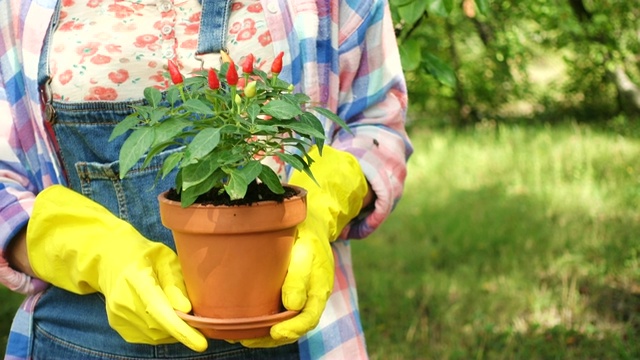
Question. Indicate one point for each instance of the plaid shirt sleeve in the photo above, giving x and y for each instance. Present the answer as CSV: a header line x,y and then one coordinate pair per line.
x,y
344,55
26,160
373,100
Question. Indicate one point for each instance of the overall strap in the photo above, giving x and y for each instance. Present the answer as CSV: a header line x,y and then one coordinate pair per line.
x,y
213,26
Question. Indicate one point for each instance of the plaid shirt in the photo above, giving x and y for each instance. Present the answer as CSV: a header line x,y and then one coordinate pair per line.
x,y
341,53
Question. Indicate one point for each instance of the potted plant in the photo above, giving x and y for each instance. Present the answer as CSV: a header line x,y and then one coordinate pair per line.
x,y
219,126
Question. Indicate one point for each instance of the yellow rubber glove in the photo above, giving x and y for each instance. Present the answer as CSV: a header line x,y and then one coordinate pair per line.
x,y
78,245
330,207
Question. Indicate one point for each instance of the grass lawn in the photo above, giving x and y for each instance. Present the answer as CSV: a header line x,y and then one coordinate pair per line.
x,y
510,243
9,302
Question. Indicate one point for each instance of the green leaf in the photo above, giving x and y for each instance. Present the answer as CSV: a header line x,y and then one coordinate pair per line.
x,y
190,195
310,119
412,11
237,185
173,95
170,129
239,179
302,97
170,163
302,129
253,111
153,96
440,7
198,107
483,6
187,198
251,171
281,109
266,129
293,160
203,143
134,148
333,117
155,150
157,114
195,174
440,70
410,54
270,178
400,2
125,125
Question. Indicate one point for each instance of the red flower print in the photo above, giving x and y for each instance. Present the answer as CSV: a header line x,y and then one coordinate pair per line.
x,y
255,8
124,27
246,34
190,44
67,3
101,93
248,30
248,22
63,15
235,28
152,64
71,25
120,11
192,29
119,76
265,38
65,77
94,3
100,59
236,6
158,77
113,48
145,40
168,15
88,49
195,17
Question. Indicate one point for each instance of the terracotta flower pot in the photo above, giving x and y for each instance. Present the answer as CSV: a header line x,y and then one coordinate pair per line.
x,y
234,260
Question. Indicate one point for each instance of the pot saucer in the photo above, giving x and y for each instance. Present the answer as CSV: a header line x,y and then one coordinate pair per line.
x,y
236,329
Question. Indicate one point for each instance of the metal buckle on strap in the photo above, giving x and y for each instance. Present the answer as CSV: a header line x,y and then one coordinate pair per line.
x,y
46,99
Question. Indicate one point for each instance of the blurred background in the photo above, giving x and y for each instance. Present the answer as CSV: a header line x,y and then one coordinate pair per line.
x,y
518,234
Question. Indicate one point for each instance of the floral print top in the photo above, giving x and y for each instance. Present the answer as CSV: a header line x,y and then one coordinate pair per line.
x,y
109,50
106,50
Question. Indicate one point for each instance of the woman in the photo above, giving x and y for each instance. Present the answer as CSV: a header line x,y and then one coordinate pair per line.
x,y
78,65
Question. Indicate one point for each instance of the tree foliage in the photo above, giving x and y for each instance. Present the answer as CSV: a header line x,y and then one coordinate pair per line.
x,y
468,60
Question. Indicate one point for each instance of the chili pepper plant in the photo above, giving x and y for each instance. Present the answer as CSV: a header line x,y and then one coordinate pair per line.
x,y
222,130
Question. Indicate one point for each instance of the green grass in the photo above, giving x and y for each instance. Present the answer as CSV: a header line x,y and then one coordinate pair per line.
x,y
510,243
9,303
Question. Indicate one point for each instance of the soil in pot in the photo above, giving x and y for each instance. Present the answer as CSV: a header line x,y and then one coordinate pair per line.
x,y
255,192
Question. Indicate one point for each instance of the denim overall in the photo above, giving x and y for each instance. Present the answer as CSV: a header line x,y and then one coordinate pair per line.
x,y
69,326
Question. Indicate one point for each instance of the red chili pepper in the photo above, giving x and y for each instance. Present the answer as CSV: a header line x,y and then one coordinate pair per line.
x,y
247,64
214,82
232,74
276,67
174,72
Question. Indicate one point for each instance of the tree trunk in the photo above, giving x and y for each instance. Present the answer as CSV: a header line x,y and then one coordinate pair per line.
x,y
628,91
466,113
